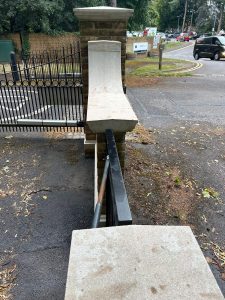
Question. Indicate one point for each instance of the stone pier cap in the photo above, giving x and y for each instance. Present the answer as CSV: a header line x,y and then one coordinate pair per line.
x,y
103,13
108,106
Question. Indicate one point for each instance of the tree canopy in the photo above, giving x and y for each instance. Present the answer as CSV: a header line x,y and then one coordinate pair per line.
x,y
54,16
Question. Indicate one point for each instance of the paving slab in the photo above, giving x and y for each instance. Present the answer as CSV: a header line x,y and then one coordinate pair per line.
x,y
139,262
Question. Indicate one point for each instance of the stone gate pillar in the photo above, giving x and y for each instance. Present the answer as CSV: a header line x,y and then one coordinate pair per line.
x,y
100,23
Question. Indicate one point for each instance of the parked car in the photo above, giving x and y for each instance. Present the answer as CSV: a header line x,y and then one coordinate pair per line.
x,y
162,35
210,47
183,37
134,33
203,35
192,35
176,34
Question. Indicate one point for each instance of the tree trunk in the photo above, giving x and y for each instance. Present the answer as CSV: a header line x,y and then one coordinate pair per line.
x,y
221,18
185,14
113,3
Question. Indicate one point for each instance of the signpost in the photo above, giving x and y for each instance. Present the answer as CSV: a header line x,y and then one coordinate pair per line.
x,y
156,41
161,48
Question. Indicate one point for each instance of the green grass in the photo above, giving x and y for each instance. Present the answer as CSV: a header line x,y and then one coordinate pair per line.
x,y
7,68
147,67
55,68
174,45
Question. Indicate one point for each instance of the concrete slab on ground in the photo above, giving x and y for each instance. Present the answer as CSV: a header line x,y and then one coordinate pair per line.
x,y
139,262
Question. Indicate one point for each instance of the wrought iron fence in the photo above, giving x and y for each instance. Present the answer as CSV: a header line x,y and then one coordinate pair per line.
x,y
43,91
113,187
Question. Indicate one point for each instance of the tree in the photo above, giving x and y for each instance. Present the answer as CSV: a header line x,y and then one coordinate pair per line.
x,y
140,18
185,14
113,3
221,13
54,16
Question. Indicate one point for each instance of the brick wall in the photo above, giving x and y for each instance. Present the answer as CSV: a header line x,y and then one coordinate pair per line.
x,y
41,42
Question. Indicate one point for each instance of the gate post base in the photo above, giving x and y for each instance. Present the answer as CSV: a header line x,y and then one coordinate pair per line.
x,y
89,148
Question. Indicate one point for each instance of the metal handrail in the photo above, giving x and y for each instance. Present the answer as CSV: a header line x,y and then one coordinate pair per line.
x,y
98,207
117,207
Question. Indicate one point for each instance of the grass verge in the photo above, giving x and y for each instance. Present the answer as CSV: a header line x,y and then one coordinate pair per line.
x,y
175,45
149,67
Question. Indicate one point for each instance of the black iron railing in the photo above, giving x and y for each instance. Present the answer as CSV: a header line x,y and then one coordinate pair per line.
x,y
113,188
43,91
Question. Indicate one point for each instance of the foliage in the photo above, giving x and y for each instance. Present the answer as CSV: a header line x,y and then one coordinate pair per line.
x,y
25,43
55,16
201,14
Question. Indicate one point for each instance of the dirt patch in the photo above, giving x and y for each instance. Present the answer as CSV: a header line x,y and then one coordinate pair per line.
x,y
140,135
164,188
137,81
158,193
64,132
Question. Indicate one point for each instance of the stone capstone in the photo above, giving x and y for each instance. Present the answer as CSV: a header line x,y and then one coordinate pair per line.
x,y
139,262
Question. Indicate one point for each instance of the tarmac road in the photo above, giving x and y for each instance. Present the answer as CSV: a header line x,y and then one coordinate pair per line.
x,y
186,115
196,98
210,68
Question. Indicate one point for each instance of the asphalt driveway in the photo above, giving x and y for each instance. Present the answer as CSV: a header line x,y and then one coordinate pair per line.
x,y
45,192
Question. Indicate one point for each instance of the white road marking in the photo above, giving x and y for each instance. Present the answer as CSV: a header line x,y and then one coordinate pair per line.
x,y
28,115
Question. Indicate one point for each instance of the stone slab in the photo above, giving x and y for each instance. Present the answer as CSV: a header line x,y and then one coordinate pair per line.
x,y
103,13
108,106
139,262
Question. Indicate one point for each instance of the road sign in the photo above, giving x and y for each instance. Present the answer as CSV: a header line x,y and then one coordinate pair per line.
x,y
140,47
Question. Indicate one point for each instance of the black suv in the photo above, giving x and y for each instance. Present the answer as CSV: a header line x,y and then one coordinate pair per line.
x,y
212,47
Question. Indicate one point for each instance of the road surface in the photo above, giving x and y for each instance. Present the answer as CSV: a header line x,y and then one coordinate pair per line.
x,y
210,68
39,103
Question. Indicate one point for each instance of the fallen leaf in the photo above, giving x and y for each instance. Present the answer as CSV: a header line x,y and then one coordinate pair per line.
x,y
209,260
205,193
209,192
6,169
2,194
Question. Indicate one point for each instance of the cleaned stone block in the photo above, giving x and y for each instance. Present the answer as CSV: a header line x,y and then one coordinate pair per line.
x,y
108,106
139,263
